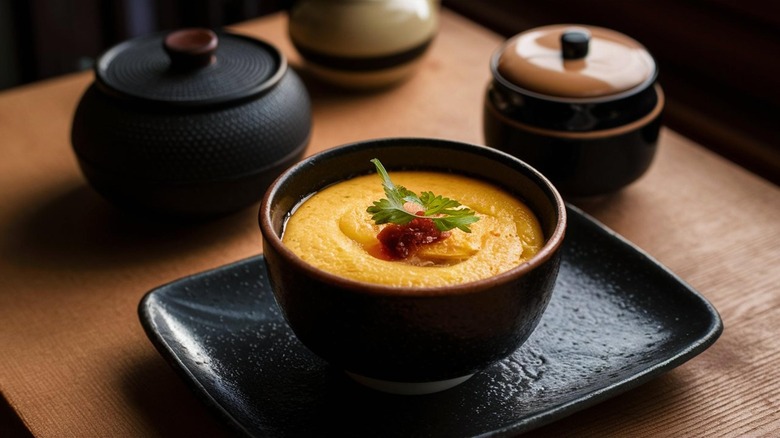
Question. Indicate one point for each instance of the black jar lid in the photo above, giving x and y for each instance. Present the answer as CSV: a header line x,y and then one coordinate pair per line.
x,y
190,68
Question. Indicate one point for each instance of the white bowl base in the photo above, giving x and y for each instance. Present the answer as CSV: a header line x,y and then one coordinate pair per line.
x,y
408,388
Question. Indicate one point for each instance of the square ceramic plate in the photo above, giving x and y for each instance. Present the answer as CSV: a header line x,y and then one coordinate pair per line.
x,y
616,320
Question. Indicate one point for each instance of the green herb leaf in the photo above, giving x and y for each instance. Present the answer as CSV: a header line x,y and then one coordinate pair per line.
x,y
444,212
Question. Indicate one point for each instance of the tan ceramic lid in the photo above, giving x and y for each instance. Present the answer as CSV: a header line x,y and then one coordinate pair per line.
x,y
601,62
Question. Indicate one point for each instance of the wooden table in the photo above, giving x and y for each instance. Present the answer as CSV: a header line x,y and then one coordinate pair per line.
x,y
74,360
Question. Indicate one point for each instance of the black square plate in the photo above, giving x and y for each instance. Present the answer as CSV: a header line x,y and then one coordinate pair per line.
x,y
616,320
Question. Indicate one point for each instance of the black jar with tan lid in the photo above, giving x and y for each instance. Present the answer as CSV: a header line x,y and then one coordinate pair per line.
x,y
579,103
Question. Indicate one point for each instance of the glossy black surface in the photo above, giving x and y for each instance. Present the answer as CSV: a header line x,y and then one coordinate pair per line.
x,y
616,320
571,116
578,166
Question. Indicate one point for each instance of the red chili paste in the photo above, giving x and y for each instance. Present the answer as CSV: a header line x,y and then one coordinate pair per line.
x,y
397,242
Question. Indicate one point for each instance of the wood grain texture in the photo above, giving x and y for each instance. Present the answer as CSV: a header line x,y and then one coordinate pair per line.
x,y
75,361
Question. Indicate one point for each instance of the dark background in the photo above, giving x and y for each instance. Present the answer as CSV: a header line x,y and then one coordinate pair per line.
x,y
719,60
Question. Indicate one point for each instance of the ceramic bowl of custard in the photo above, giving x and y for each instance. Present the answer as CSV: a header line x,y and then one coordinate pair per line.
x,y
429,319
579,103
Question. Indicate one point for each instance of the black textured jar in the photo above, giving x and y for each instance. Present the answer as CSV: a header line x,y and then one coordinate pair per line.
x,y
191,123
578,103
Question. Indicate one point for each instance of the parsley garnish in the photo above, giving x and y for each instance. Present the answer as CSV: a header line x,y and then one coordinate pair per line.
x,y
444,212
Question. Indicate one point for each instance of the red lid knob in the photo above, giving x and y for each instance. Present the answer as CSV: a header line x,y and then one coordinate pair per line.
x,y
189,49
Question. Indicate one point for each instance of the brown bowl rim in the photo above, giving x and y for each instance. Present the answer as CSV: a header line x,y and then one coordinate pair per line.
x,y
550,248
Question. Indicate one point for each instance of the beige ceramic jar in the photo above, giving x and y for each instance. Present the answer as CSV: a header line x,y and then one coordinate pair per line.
x,y
363,43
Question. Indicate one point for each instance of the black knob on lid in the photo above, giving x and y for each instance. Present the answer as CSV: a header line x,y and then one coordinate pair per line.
x,y
574,43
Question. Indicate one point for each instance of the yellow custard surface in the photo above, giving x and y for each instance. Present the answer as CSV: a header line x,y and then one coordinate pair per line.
x,y
332,231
